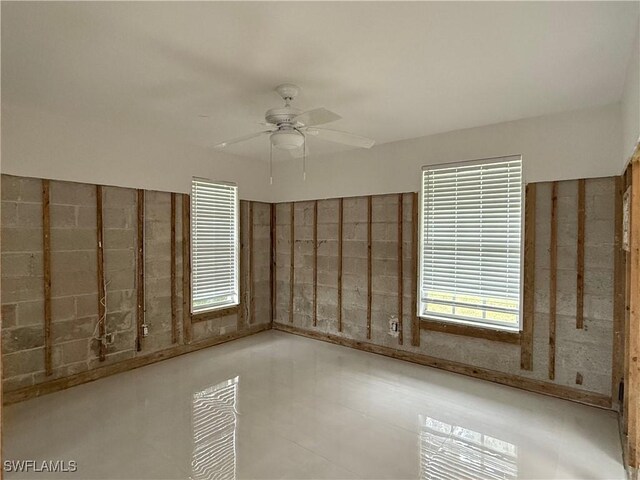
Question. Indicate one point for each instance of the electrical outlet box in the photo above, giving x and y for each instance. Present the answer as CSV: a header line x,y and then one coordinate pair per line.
x,y
145,329
394,327
109,338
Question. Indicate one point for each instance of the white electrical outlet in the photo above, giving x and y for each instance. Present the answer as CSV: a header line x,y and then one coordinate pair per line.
x,y
145,329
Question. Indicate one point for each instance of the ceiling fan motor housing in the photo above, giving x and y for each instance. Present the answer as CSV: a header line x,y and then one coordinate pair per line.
x,y
278,116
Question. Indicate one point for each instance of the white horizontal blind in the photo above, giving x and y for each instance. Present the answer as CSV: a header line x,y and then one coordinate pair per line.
x,y
471,242
214,245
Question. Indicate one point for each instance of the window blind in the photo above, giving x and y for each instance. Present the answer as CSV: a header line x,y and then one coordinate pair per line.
x,y
471,242
214,245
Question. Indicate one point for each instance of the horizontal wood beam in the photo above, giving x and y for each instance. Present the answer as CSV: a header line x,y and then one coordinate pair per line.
x,y
123,366
537,386
223,312
471,331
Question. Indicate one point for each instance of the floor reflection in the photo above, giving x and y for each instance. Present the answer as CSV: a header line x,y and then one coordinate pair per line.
x,y
214,431
450,452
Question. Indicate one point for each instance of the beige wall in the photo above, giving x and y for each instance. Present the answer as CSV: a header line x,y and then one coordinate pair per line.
x,y
631,102
35,143
40,144
578,144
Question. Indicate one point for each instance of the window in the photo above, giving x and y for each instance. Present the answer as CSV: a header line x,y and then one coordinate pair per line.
x,y
470,247
214,245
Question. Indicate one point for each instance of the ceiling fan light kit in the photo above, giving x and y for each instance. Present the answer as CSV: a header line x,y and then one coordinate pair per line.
x,y
292,126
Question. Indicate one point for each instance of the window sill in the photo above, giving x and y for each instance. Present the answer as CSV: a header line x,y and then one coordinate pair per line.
x,y
213,314
470,331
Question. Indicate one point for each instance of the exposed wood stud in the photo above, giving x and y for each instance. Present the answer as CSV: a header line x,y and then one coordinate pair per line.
x,y
242,314
627,336
526,341
46,259
580,256
186,268
400,270
340,225
415,320
633,385
140,272
174,298
369,262
618,294
292,241
102,288
471,331
272,267
252,299
315,263
553,280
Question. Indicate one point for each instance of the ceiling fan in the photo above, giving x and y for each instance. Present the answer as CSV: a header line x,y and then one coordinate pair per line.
x,y
290,127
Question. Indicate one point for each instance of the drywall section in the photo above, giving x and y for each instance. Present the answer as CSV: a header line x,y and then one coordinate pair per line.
x,y
631,102
345,305
579,144
68,338
40,144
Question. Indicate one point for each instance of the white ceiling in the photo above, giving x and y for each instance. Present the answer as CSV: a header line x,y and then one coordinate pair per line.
x,y
204,72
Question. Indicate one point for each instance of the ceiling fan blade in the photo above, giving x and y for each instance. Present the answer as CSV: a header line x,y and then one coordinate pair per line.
x,y
341,137
241,139
317,116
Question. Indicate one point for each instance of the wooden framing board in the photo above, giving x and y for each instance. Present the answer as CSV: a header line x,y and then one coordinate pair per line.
x,y
46,261
252,302
471,331
627,308
242,289
315,263
174,297
369,262
56,385
618,295
580,256
537,386
102,287
529,278
213,314
272,266
292,268
400,270
633,385
186,268
415,320
140,272
340,225
553,279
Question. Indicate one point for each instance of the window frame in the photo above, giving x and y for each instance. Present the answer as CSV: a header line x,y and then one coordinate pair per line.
x,y
469,327
227,308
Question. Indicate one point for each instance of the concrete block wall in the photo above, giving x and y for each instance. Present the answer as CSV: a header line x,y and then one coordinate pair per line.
x,y
119,222
74,279
586,351
157,268
22,290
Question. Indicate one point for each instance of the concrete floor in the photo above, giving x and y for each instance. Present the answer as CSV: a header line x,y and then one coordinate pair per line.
x,y
275,405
